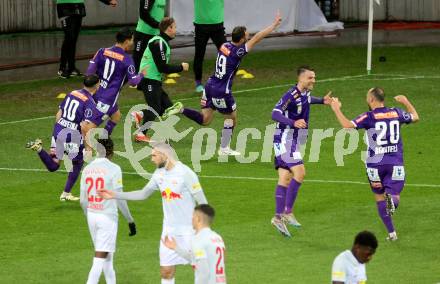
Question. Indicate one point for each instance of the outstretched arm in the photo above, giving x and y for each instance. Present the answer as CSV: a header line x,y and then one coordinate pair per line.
x,y
409,107
133,195
263,33
336,107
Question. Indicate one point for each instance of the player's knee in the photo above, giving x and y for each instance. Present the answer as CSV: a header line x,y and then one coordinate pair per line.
x,y
116,117
167,272
300,175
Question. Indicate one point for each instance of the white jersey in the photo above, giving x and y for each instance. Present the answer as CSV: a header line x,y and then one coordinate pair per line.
x,y
101,173
346,268
209,245
177,187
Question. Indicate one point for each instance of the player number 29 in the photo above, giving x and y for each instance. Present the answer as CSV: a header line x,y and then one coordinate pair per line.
x,y
97,183
381,126
220,66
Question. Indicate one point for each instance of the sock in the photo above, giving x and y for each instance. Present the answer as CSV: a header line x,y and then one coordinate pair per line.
x,y
73,176
198,82
95,271
193,115
47,160
109,272
292,192
396,200
109,127
386,219
280,199
228,128
167,281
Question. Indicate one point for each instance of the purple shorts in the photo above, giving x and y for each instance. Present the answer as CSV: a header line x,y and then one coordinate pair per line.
x,y
103,112
212,98
66,141
386,179
286,159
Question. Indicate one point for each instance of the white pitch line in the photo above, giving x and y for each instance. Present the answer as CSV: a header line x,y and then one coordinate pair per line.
x,y
242,178
353,78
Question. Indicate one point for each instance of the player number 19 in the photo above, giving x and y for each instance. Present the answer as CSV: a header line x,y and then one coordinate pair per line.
x,y
220,66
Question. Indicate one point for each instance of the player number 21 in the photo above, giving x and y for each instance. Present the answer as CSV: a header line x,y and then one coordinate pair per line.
x,y
97,183
220,261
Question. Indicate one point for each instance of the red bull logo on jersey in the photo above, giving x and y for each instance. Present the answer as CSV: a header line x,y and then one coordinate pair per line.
x,y
169,195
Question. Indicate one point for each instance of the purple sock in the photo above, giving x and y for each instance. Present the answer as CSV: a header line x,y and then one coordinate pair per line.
x,y
73,176
198,82
292,192
280,199
48,161
109,127
396,200
386,219
228,128
193,115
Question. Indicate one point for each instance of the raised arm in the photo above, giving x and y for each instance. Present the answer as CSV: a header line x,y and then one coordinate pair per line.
x,y
409,107
263,33
336,107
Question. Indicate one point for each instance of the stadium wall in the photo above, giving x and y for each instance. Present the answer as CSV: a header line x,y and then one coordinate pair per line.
x,y
34,15
391,10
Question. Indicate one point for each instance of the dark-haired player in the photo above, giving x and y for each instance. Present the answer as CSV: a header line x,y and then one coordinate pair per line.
x,y
207,248
77,106
384,162
349,266
292,116
114,66
217,94
102,215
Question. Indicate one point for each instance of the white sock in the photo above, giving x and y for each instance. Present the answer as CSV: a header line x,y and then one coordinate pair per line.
x,y
109,272
96,270
167,281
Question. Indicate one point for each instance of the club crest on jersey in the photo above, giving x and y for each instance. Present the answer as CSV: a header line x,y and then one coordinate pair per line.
x,y
240,52
169,195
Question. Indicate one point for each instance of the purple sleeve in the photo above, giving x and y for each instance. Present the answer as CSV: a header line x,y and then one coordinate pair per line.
x,y
133,78
316,100
93,63
361,121
278,116
404,117
241,51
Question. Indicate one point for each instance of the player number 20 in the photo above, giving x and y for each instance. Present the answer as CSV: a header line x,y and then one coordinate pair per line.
x,y
97,183
381,126
220,66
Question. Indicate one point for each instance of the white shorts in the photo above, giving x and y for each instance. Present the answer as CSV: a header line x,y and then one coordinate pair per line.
x,y
168,257
103,229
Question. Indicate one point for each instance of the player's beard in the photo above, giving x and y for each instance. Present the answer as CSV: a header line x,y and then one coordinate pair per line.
x,y
161,165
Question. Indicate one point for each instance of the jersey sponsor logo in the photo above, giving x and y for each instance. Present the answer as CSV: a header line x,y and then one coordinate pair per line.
x,y
80,96
196,186
240,52
284,107
169,195
361,118
338,274
114,55
199,253
102,107
225,50
386,115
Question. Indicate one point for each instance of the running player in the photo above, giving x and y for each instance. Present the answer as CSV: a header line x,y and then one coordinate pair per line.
x,y
102,215
385,169
207,248
349,266
292,116
180,190
217,94
77,106
114,66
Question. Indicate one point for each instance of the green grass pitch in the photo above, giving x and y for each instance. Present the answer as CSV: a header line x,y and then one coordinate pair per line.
x,y
45,241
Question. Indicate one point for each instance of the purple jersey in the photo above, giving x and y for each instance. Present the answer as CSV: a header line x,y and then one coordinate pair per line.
x,y
113,66
228,59
294,105
383,134
76,107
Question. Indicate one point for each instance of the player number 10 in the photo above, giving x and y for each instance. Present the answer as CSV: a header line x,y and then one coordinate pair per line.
x,y
98,183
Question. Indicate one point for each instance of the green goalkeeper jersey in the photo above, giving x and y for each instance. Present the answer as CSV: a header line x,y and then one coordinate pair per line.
x,y
208,11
